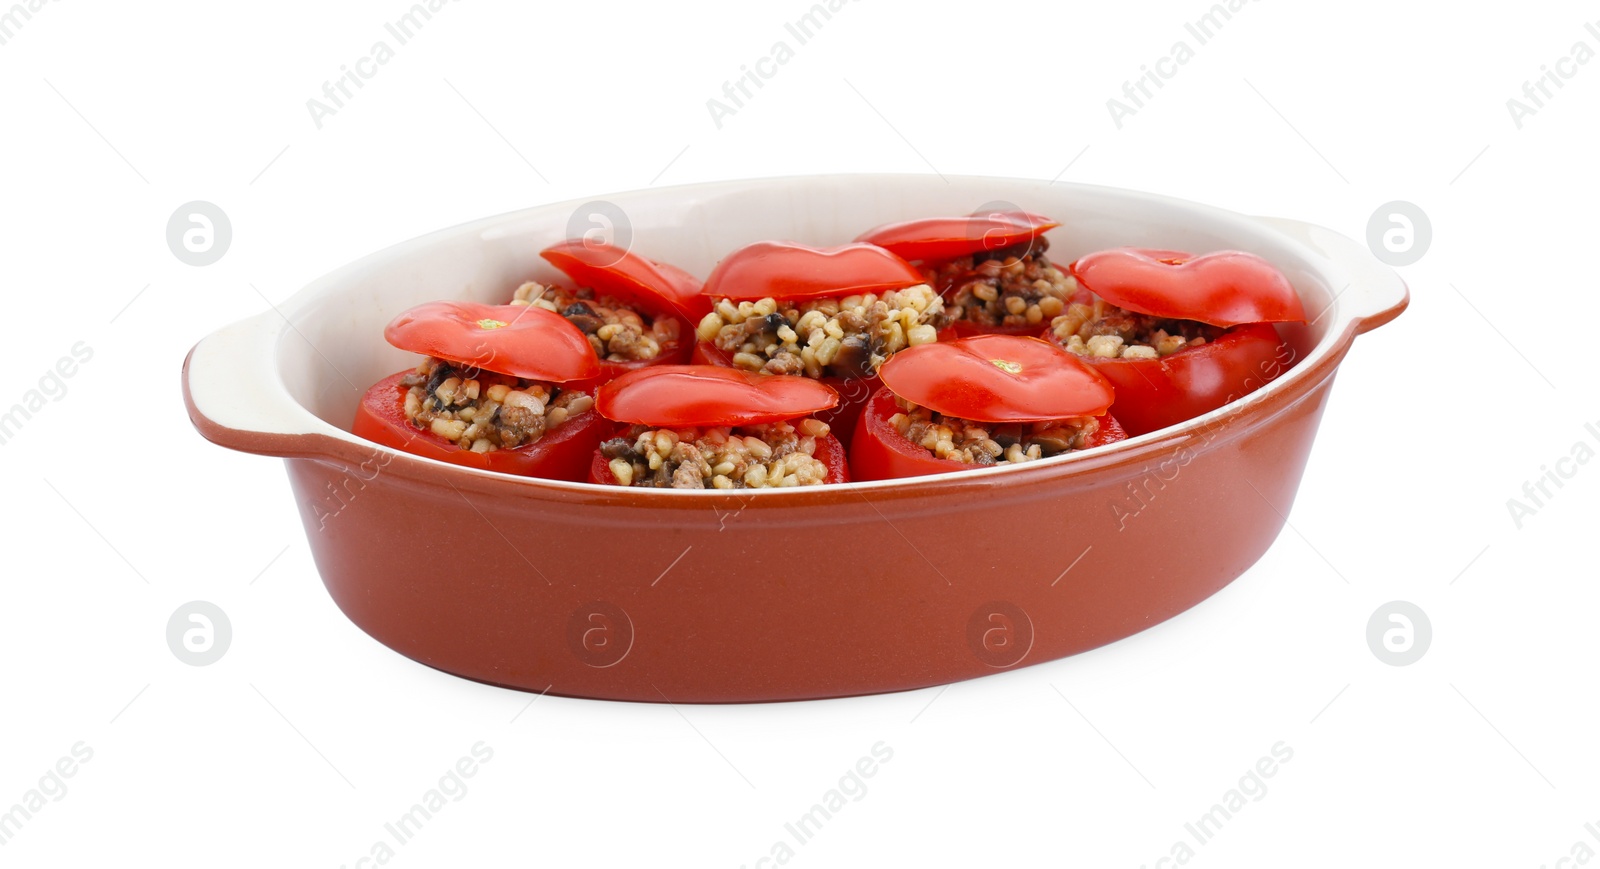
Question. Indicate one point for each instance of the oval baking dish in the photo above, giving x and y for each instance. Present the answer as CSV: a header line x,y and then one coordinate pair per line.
x,y
711,596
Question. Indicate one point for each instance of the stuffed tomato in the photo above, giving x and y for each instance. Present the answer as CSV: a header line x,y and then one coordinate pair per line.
x,y
634,312
708,427
977,402
1178,335
493,391
990,268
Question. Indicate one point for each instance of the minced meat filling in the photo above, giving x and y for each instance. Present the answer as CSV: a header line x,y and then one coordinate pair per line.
x,y
744,457
989,443
617,332
1105,330
1014,286
846,337
483,411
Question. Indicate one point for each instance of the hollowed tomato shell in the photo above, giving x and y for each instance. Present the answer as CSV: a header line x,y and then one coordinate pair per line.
x,y
561,454
1152,394
878,451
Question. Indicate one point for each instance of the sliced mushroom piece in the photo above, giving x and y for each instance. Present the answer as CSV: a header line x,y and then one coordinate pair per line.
x,y
1055,441
858,356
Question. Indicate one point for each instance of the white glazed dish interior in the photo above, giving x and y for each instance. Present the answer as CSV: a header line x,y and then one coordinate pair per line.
x,y
302,368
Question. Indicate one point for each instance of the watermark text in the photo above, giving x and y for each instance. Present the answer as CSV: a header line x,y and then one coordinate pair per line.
x,y
52,387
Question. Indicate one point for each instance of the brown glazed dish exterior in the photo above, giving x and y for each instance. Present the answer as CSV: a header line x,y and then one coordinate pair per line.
x,y
779,595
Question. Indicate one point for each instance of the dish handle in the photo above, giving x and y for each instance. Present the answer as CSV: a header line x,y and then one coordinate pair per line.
x,y
236,397
1376,293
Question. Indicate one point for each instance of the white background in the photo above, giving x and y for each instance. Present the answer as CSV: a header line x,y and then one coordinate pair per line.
x,y
307,736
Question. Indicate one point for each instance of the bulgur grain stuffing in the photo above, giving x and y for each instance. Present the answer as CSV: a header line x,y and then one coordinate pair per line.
x,y
1015,286
1107,331
846,337
770,455
990,443
484,411
616,331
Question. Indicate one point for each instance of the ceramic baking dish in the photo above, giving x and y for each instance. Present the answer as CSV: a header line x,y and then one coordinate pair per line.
x,y
707,596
